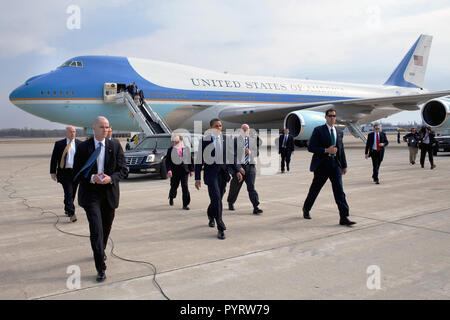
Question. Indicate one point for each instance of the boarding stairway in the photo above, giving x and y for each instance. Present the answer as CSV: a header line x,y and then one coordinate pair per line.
x,y
356,131
148,120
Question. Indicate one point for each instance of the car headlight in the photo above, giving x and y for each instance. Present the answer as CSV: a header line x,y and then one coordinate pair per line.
x,y
150,158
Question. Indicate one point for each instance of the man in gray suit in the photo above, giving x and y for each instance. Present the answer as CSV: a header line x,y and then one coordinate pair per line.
x,y
245,151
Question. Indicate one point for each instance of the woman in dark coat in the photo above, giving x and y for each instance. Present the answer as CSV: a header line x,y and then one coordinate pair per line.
x,y
180,165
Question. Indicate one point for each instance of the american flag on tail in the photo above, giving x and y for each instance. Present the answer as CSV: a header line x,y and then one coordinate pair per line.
x,y
418,60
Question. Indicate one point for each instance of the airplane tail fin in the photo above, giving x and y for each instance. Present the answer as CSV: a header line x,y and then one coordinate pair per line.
x,y
411,70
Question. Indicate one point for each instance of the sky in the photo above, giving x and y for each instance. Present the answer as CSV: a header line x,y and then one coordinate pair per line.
x,y
351,41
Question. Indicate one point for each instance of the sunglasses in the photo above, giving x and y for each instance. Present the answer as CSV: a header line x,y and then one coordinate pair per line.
x,y
331,115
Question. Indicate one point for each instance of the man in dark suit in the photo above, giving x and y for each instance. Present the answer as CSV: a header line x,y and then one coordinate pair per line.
x,y
61,169
245,151
179,166
100,165
217,163
328,162
285,149
427,140
376,142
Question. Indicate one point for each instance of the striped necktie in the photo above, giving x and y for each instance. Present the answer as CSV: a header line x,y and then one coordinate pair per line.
x,y
246,146
62,163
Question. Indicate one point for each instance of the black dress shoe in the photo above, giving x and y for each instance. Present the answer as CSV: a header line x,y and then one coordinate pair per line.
x,y
171,201
306,214
257,211
346,222
221,235
101,276
211,223
230,206
377,182
185,208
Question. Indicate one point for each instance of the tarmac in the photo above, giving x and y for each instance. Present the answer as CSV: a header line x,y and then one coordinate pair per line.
x,y
399,248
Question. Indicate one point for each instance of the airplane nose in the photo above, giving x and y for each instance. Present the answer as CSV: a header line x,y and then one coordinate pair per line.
x,y
14,94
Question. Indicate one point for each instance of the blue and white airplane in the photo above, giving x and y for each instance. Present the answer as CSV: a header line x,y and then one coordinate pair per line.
x,y
79,90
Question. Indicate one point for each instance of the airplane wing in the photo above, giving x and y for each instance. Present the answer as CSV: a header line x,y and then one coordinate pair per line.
x,y
358,111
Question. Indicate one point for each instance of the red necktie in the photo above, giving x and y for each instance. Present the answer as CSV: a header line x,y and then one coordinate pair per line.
x,y
378,143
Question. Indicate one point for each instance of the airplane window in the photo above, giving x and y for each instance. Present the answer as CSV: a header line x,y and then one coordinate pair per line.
x,y
65,64
60,92
48,93
79,64
73,92
67,93
54,93
42,93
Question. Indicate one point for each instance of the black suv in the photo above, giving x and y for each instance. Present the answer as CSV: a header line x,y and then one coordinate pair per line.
x,y
148,156
442,144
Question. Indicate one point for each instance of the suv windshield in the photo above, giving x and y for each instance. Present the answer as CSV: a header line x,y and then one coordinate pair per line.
x,y
150,143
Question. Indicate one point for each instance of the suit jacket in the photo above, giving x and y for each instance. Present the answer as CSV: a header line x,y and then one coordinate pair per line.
x,y
213,169
319,141
114,167
289,143
187,162
58,150
370,141
239,151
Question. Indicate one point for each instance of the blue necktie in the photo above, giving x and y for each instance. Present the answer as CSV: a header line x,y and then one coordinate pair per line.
x,y
90,162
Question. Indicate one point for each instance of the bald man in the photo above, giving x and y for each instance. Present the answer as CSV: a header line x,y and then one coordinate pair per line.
x,y
245,152
61,169
99,165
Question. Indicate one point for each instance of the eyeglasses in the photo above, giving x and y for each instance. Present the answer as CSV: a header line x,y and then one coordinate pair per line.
x,y
331,115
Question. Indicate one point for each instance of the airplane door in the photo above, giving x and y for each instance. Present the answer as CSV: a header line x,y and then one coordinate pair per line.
x,y
109,91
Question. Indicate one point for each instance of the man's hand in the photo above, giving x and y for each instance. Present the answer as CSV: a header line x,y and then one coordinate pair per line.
x,y
381,144
344,170
102,178
53,175
169,174
242,171
366,156
331,150
239,176
191,174
198,184
248,151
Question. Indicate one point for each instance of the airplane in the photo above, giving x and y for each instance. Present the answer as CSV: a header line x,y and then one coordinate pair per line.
x,y
81,89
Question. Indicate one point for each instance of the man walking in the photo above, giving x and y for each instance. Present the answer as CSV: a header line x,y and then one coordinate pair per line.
x,y
376,142
61,169
328,162
100,165
285,149
245,151
216,172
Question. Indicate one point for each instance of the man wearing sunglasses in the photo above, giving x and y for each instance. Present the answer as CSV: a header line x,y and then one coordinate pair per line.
x,y
376,142
328,162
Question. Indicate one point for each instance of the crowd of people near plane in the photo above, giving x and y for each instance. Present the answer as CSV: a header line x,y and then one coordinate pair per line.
x,y
137,95
96,166
424,139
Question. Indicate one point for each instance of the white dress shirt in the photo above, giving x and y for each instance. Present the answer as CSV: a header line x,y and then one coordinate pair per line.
x,y
70,154
374,147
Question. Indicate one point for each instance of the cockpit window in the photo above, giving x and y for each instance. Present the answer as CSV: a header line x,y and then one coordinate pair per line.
x,y
72,63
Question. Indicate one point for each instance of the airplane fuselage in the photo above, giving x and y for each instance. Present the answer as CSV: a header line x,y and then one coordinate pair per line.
x,y
73,94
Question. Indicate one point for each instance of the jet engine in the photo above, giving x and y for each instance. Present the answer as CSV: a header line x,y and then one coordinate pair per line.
x,y
436,113
301,123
